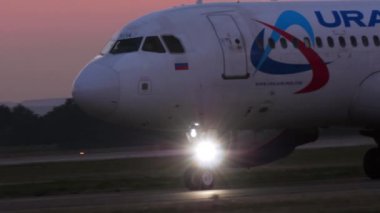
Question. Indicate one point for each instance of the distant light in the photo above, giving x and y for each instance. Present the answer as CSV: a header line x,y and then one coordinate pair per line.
x,y
82,153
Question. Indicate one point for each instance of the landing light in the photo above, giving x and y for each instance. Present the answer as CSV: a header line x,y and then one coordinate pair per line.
x,y
193,133
208,153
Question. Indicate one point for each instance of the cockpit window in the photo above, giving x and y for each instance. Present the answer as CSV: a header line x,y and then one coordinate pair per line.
x,y
153,44
174,44
126,45
108,47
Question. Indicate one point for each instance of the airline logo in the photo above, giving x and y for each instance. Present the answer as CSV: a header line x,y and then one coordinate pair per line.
x,y
348,18
260,56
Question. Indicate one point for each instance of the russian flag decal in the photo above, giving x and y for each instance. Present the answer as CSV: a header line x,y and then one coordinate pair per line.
x,y
181,66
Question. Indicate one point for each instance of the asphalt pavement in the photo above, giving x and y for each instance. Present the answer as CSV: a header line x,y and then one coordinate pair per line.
x,y
347,195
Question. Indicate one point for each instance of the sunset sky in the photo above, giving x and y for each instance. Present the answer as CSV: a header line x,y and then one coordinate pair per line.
x,y
45,43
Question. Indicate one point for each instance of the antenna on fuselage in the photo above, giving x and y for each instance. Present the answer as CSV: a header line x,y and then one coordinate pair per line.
x,y
199,1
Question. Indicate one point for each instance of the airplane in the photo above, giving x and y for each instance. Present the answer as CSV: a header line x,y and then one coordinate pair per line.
x,y
245,82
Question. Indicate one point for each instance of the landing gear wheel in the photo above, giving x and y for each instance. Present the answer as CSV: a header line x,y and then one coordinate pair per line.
x,y
371,163
207,179
191,180
199,179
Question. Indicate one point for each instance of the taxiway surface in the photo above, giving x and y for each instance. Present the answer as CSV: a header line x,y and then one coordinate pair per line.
x,y
348,195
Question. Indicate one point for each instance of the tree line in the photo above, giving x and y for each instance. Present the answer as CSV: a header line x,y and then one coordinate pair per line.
x,y
68,127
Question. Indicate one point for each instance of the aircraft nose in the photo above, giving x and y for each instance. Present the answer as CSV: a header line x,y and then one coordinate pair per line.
x,y
97,90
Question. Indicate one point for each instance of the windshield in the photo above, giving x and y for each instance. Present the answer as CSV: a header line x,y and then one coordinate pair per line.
x,y
126,45
173,43
153,44
108,47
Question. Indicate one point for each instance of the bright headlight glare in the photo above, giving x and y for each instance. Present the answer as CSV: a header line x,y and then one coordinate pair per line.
x,y
207,153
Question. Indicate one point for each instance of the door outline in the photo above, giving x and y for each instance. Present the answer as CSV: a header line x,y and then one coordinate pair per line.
x,y
238,41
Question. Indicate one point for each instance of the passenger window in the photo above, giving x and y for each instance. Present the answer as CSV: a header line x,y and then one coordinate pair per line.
x,y
271,43
126,45
354,42
284,44
342,41
319,42
153,44
365,41
330,41
307,42
295,43
173,43
376,40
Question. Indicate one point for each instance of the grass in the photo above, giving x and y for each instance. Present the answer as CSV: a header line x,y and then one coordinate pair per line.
x,y
166,173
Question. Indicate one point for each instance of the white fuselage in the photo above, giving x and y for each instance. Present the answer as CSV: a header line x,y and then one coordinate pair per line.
x,y
235,71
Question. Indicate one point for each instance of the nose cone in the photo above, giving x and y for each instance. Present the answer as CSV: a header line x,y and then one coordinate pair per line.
x,y
97,90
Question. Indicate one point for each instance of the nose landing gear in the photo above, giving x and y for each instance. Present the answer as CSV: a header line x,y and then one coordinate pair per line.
x,y
206,156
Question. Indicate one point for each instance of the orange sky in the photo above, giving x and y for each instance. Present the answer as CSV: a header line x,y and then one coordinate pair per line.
x,y
44,43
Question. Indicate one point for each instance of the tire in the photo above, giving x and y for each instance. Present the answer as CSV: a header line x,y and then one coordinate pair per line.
x,y
199,179
371,163
191,179
207,179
